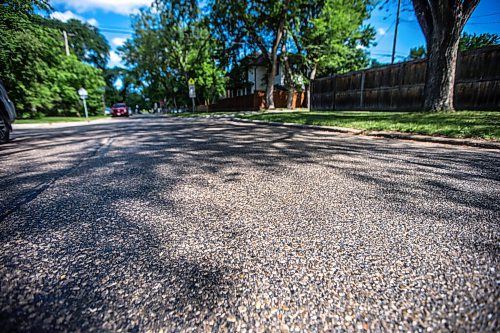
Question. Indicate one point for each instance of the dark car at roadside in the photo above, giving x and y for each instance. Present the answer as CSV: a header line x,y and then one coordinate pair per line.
x,y
7,114
119,110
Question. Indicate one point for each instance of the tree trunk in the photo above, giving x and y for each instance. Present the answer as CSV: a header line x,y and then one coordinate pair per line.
x,y
289,83
440,74
270,83
289,98
274,57
442,23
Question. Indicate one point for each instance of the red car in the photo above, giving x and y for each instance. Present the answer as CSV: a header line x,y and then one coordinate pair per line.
x,y
119,110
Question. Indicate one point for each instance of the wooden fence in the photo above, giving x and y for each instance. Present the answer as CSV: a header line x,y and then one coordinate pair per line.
x,y
257,101
400,87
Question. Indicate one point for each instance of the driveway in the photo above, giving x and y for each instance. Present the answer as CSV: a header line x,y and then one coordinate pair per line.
x,y
163,224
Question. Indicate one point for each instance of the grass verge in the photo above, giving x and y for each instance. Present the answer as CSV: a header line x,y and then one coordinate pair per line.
x,y
201,114
49,120
460,124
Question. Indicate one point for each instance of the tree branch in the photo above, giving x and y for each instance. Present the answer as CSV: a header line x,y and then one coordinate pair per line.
x,y
424,15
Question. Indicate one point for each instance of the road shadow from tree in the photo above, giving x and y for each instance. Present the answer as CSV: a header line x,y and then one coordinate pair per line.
x,y
90,254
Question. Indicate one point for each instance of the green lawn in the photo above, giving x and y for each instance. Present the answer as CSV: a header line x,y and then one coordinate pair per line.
x,y
48,120
462,124
201,114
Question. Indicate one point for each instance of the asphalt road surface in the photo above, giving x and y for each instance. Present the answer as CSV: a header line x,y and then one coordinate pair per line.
x,y
207,225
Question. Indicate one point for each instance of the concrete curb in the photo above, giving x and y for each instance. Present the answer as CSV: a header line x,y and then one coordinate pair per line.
x,y
390,135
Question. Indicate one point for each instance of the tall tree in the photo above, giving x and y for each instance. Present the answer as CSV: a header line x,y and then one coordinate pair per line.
x,y
16,14
85,41
260,23
172,44
37,74
330,37
442,23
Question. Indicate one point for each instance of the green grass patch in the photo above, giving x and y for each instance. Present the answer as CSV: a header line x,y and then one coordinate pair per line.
x,y
49,120
201,114
460,124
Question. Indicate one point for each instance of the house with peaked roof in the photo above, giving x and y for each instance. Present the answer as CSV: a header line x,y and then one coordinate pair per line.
x,y
251,76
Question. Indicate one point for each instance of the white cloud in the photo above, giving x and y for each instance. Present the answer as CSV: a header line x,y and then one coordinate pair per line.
x,y
124,7
118,41
68,15
361,47
114,60
93,22
381,31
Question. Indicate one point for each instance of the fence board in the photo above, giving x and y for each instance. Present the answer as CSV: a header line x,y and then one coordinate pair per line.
x,y
257,101
400,87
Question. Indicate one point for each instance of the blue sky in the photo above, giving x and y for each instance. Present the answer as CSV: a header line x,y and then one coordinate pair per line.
x,y
486,18
113,19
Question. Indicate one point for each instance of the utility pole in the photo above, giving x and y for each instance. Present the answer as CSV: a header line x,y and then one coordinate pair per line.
x,y
396,33
66,45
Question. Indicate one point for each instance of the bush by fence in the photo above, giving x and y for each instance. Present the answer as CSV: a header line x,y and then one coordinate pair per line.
x,y
400,87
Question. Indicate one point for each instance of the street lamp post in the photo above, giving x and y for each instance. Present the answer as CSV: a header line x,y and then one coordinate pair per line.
x,y
83,95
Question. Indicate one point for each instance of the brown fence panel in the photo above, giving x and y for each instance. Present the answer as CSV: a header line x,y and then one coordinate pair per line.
x,y
257,101
478,80
400,87
251,102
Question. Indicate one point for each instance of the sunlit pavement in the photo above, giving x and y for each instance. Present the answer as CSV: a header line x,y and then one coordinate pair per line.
x,y
165,224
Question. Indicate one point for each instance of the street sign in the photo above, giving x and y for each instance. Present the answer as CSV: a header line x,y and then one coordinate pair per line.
x,y
83,93
191,82
192,91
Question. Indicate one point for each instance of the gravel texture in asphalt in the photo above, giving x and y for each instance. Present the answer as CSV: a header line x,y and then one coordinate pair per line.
x,y
205,225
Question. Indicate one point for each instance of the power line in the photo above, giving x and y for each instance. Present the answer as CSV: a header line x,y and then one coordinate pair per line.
x,y
114,27
388,29
116,30
492,14
385,51
484,23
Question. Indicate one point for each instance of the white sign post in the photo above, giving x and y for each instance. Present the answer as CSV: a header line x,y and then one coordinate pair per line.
x,y
192,92
83,95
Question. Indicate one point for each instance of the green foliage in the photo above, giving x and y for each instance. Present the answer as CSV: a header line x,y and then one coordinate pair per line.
x,y
473,41
417,53
16,14
35,70
254,23
84,41
180,47
374,63
128,92
335,39
467,42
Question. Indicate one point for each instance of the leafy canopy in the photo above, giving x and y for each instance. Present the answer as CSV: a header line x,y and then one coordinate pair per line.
x,y
39,76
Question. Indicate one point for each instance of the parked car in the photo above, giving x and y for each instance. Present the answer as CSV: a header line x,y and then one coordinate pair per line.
x,y
108,111
7,114
119,110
